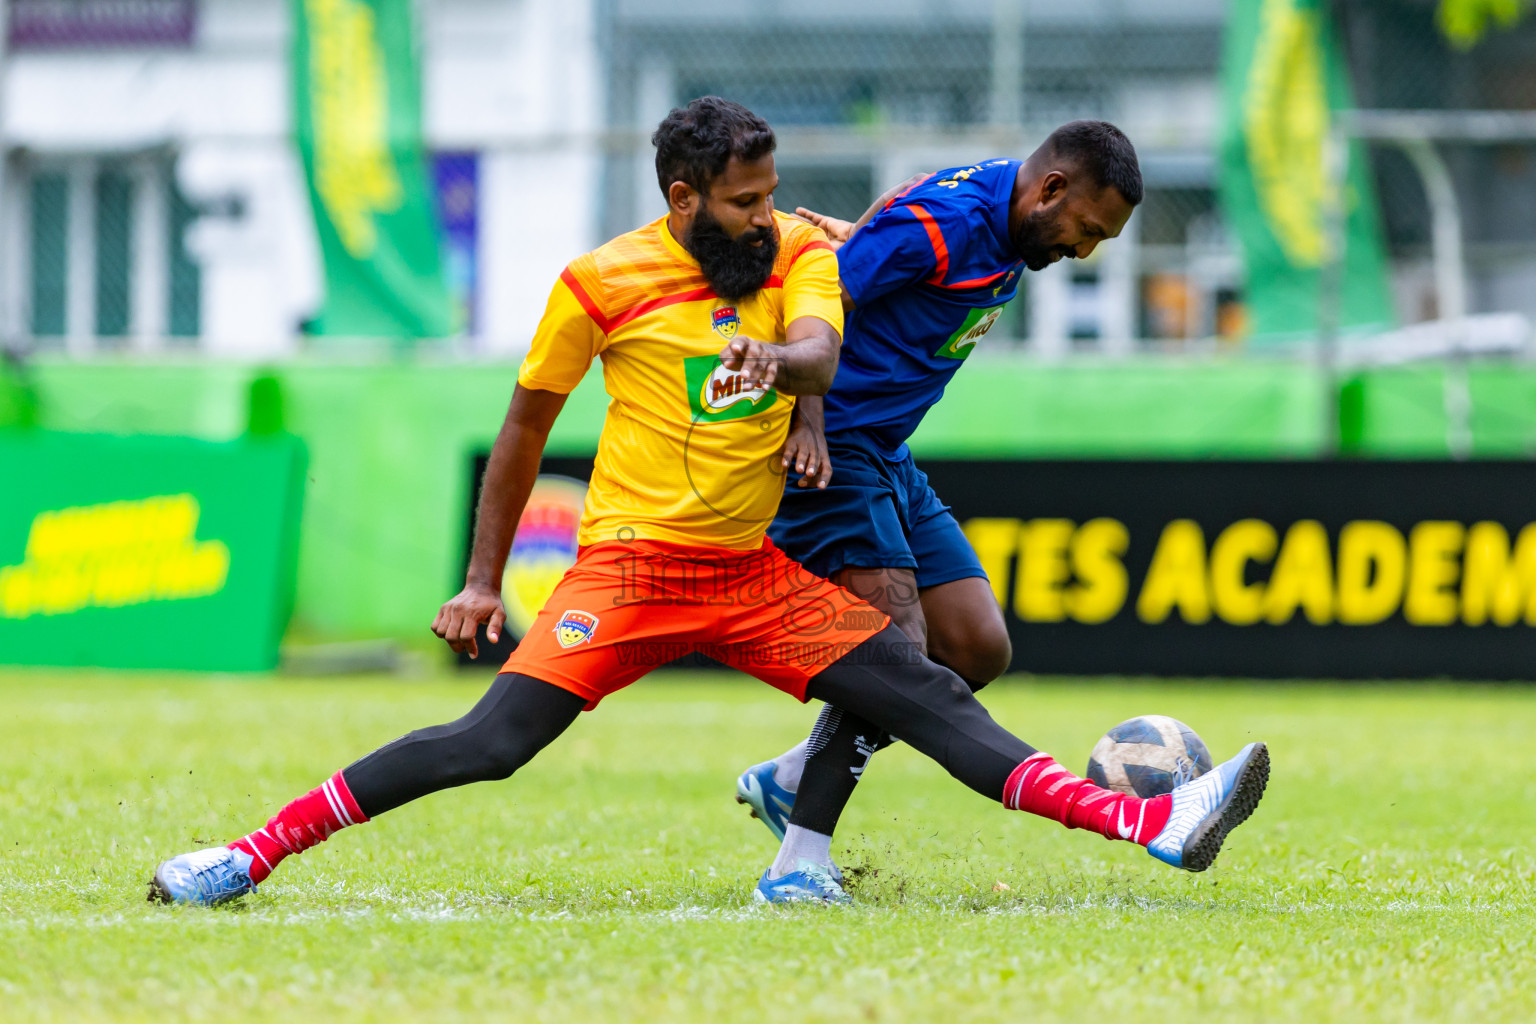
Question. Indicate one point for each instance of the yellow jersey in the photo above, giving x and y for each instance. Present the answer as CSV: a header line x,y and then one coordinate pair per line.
x,y
689,452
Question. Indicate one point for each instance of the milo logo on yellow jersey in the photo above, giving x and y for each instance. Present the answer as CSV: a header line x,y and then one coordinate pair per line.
x,y
716,394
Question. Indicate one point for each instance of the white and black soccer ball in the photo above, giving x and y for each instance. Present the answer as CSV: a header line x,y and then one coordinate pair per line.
x,y
1148,756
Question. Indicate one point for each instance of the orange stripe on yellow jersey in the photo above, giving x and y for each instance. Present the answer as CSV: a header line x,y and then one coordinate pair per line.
x,y
688,454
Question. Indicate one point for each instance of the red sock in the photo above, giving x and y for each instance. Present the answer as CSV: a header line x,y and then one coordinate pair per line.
x,y
1041,786
312,818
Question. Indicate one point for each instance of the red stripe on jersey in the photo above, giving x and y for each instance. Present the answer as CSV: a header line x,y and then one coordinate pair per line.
x,y
975,282
651,305
810,247
592,308
936,239
920,179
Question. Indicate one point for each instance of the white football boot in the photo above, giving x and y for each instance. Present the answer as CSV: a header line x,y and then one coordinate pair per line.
x,y
1206,809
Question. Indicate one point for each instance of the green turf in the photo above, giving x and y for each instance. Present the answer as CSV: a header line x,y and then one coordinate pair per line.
x,y
1388,875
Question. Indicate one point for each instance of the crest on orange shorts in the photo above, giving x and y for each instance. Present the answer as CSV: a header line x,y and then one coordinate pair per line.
x,y
575,627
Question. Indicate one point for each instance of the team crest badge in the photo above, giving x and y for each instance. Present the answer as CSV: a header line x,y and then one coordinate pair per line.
x,y
725,322
575,627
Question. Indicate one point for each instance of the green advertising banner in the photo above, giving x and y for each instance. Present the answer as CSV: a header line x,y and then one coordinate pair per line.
x,y
1283,82
357,111
147,552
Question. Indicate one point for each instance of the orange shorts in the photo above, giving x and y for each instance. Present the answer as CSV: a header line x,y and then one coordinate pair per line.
x,y
625,609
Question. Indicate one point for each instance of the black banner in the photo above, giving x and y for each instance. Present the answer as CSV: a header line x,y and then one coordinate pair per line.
x,y
492,655
1331,570
1350,570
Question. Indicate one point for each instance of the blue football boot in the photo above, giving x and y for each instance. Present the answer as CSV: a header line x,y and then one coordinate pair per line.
x,y
1209,807
808,883
770,802
204,877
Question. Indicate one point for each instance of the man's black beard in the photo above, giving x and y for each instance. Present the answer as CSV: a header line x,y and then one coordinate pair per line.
x,y
734,268
1031,240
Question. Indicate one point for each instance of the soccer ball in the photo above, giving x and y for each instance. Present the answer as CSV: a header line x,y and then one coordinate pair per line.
x,y
1148,756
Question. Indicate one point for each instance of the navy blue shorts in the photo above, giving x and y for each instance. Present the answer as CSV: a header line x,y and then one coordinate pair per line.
x,y
874,514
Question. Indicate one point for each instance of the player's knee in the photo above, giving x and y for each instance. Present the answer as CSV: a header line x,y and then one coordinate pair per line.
x,y
491,758
488,764
980,653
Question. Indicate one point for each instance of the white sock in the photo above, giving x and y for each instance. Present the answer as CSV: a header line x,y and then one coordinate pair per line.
x,y
788,766
801,844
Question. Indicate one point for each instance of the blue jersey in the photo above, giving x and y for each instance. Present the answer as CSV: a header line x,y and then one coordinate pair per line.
x,y
929,275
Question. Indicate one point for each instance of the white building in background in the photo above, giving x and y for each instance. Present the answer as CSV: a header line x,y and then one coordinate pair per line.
x,y
153,200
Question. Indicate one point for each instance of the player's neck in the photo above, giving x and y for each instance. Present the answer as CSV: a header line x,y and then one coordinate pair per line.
x,y
678,226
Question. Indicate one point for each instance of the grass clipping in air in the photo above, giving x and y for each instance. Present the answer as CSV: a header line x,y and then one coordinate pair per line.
x,y
1388,874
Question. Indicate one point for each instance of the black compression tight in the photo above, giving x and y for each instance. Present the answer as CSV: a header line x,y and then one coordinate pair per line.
x,y
836,755
881,687
880,681
518,717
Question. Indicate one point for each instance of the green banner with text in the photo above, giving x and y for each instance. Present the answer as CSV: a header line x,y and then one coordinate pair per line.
x,y
147,552
1283,83
357,111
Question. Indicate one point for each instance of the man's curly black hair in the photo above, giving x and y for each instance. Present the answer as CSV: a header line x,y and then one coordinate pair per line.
x,y
694,143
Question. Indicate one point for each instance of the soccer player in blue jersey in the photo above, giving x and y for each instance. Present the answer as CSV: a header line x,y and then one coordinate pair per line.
x,y
926,272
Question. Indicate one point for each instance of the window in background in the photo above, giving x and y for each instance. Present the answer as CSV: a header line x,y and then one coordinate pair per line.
x,y
48,223
103,258
114,239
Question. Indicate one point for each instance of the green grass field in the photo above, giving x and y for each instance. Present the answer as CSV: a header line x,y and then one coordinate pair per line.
x,y
1388,875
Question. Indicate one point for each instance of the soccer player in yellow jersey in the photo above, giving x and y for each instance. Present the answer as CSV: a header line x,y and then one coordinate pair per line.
x,y
708,322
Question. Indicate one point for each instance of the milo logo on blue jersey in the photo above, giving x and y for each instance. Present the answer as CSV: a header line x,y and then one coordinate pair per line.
x,y
977,323
716,394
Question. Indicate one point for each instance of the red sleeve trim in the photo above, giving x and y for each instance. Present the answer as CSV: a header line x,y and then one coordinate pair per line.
x,y
936,239
587,304
902,194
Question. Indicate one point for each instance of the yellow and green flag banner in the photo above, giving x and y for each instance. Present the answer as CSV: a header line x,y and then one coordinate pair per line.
x,y
357,94
1283,84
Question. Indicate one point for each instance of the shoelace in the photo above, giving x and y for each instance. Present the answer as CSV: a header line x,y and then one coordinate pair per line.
x,y
210,884
1184,772
823,879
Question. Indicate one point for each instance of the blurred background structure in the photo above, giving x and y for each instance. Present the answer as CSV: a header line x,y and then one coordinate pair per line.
x,y
154,201
158,242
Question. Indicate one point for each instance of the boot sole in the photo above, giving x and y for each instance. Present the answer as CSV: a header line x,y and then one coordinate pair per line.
x,y
1204,843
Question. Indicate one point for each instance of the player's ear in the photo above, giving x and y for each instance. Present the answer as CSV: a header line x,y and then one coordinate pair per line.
x,y
1053,187
683,199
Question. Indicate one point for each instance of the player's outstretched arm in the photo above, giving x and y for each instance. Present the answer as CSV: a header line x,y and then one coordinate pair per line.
x,y
839,231
804,365
509,477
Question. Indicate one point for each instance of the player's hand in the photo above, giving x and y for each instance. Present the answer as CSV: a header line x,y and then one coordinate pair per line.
x,y
755,360
458,619
805,451
837,231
